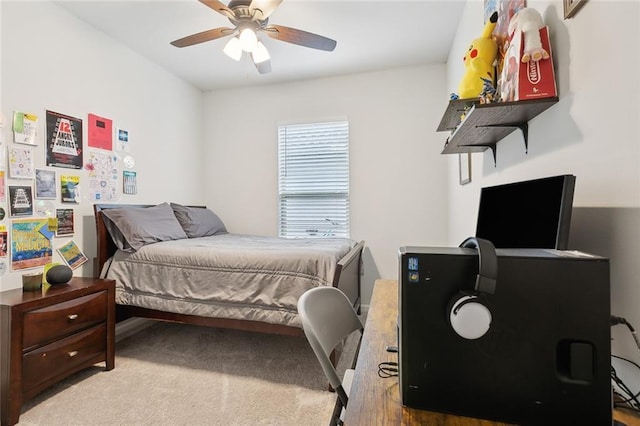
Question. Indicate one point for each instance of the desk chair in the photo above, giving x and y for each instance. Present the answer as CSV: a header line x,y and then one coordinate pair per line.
x,y
327,319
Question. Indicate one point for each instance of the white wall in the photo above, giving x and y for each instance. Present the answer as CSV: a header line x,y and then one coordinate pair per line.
x,y
54,61
591,132
398,178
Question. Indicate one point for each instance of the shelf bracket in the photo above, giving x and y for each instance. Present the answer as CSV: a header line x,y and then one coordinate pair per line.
x,y
491,146
524,128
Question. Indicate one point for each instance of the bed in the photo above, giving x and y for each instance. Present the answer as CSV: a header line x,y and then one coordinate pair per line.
x,y
215,279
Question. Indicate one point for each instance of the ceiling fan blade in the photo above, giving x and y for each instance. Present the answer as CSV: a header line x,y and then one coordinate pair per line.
x,y
261,9
219,7
202,37
299,37
264,67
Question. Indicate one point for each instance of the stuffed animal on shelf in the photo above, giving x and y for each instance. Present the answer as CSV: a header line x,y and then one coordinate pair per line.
x,y
529,21
479,62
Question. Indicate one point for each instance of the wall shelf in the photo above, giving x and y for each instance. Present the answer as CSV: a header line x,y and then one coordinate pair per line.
x,y
487,124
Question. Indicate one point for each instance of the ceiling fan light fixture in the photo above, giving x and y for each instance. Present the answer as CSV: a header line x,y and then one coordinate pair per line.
x,y
261,54
248,40
233,49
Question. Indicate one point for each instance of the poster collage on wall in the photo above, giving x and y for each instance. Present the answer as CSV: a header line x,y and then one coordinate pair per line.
x,y
45,174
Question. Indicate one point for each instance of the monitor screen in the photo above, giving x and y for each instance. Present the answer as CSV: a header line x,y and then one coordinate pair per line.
x,y
529,214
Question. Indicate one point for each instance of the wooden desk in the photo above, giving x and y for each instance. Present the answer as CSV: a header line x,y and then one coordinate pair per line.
x,y
376,401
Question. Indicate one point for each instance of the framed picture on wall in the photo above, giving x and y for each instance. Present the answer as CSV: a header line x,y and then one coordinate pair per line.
x,y
571,7
464,163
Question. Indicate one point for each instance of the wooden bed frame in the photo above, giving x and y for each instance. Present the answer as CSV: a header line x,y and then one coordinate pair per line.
x,y
346,278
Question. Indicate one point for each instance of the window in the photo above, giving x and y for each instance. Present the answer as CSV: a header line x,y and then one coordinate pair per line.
x,y
314,180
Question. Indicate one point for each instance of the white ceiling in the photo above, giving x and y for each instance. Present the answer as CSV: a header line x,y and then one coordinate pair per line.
x,y
371,35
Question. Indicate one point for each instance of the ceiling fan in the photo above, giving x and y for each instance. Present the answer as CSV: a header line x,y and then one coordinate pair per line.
x,y
250,17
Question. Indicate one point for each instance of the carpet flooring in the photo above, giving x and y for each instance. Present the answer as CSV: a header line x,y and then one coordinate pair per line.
x,y
175,374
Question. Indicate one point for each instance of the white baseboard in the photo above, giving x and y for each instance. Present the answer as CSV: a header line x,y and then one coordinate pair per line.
x,y
131,326
364,309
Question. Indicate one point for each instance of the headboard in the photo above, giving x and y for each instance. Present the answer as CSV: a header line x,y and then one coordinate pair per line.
x,y
106,247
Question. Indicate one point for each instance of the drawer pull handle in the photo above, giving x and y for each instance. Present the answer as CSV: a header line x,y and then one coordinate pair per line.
x,y
72,354
72,316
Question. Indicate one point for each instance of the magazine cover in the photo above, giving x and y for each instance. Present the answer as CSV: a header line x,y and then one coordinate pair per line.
x,y
65,220
30,244
70,189
72,255
64,141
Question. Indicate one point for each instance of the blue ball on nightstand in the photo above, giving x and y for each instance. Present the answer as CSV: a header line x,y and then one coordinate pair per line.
x,y
59,275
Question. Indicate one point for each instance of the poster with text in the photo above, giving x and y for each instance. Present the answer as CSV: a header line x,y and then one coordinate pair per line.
x,y
103,170
30,244
72,255
100,132
25,128
20,200
65,221
64,141
46,184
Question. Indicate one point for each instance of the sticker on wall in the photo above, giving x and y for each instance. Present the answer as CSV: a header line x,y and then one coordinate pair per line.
x,y
122,140
3,267
44,208
3,213
129,162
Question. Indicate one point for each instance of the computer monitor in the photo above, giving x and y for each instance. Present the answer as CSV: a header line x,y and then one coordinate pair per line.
x,y
528,214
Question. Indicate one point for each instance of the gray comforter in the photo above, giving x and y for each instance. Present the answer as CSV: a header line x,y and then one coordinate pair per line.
x,y
226,276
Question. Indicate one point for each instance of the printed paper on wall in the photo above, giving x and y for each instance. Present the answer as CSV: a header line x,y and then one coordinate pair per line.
x,y
30,244
64,141
100,132
25,128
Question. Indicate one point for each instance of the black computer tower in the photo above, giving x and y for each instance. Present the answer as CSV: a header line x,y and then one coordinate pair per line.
x,y
546,357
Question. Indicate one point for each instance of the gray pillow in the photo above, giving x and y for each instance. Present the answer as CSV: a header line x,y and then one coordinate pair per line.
x,y
198,222
132,228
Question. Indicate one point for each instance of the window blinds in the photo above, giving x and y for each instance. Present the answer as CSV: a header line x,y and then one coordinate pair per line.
x,y
314,180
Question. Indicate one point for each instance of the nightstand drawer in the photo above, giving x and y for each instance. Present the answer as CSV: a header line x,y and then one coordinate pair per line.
x,y
46,324
46,362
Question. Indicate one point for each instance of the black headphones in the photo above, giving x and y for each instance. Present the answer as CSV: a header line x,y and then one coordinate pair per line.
x,y
468,315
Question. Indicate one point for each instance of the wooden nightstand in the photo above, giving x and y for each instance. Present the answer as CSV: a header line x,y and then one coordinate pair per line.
x,y
50,334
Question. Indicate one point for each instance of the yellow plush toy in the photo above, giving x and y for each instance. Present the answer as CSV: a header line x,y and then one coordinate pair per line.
x,y
479,62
